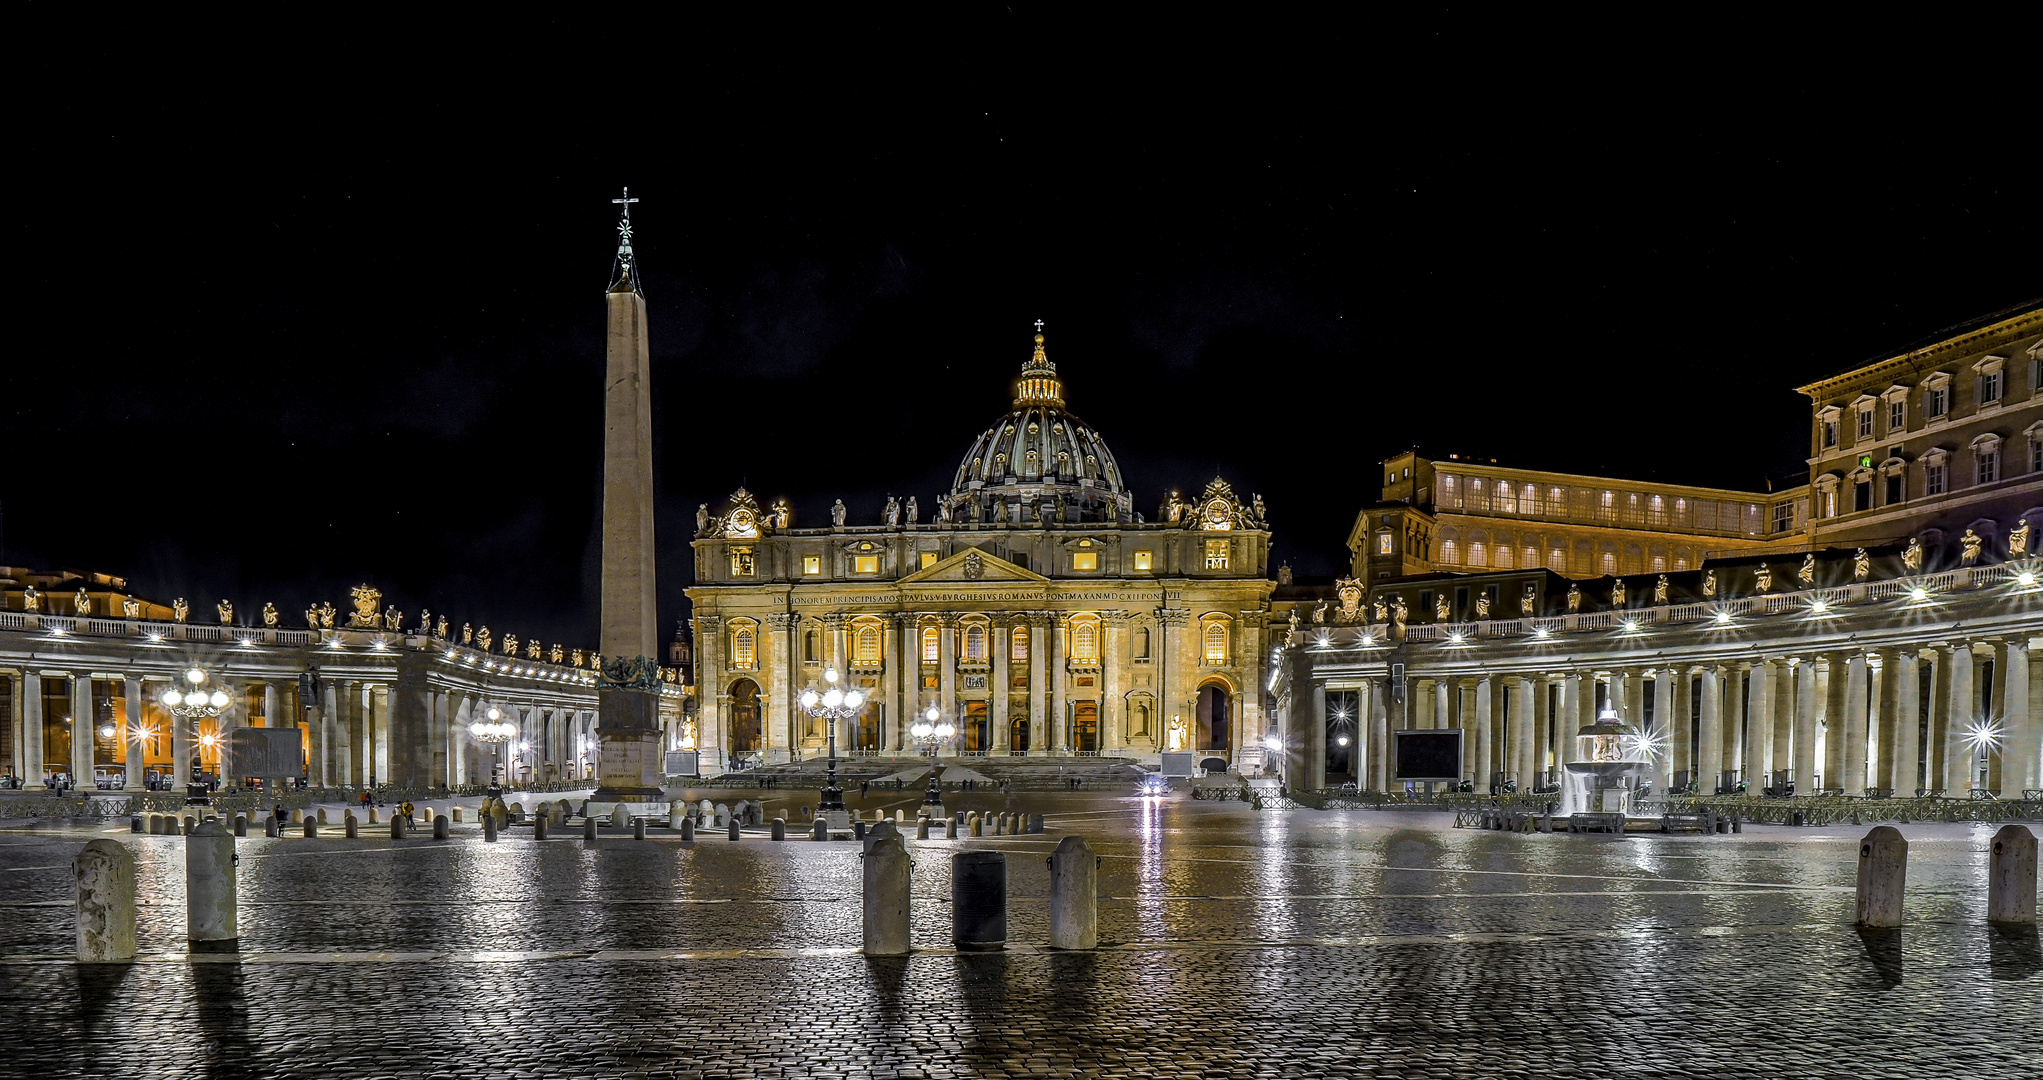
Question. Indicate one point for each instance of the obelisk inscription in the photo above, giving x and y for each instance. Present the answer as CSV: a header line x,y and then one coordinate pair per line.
x,y
628,717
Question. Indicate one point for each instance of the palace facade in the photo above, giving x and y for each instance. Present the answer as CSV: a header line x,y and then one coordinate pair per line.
x,y
1032,605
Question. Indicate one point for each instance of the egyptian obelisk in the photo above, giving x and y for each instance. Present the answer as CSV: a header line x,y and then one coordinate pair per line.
x,y
628,684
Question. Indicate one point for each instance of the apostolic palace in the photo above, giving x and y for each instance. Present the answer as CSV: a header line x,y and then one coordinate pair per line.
x,y
1866,628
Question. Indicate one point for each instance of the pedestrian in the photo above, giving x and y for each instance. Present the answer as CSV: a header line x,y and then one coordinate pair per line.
x,y
406,809
365,800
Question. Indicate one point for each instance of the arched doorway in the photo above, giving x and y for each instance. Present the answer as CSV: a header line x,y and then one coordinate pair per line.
x,y
869,727
1214,728
745,727
1018,732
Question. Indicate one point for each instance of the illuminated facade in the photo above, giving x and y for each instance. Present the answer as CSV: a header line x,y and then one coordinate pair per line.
x,y
1034,606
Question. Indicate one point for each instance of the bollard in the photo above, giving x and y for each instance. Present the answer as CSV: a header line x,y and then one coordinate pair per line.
x,y
373,820
978,827
397,826
322,815
886,895
950,829
1883,874
899,818
734,829
619,817
105,874
858,829
1036,823
454,813
638,828
311,829
979,900
489,828
136,824
269,827
539,827
496,809
240,825
1737,825
922,829
152,824
2010,876
439,826
677,812
822,830
190,823
880,832
209,893
688,829
1074,895
780,828
354,828
589,833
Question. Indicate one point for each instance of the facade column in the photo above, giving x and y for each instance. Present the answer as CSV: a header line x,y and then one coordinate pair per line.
x,y
900,712
1709,755
1059,646
947,671
997,684
1039,681
1663,726
1958,754
31,714
908,667
129,725
1805,726
84,728
785,726
1379,736
2020,769
1853,719
1484,702
1759,729
1113,663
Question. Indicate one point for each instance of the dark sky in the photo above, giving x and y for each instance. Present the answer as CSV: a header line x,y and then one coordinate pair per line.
x,y
327,307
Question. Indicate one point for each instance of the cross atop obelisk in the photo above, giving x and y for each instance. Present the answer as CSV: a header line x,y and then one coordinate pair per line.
x,y
622,277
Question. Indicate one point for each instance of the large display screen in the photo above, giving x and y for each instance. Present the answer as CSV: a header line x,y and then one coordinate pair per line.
x,y
1428,755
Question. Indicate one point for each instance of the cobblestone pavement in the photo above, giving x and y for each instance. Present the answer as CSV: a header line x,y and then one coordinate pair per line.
x,y
1236,944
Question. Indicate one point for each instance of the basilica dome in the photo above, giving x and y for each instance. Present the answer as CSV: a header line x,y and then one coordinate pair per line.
x,y
1038,460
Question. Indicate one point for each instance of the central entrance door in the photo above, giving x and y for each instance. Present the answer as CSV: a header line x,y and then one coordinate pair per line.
x,y
869,728
976,737
1215,730
1085,726
745,728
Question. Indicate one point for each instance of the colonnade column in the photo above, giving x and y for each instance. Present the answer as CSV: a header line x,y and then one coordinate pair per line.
x,y
1853,722
31,730
1542,721
1379,736
84,726
1759,739
131,748
457,743
1663,726
1734,720
1835,680
1805,726
1634,711
1709,753
1958,754
1571,707
1887,765
1521,734
1907,776
180,745
1306,751
1484,763
1783,720
2020,769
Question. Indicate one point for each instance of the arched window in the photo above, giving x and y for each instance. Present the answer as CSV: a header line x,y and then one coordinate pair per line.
x,y
866,645
975,642
1478,553
812,647
1450,552
1557,559
1216,642
1020,649
744,645
930,651
1085,640
1607,563
1531,557
1505,558
1141,643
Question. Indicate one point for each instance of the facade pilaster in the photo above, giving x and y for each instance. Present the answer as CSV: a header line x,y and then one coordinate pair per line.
x,y
1039,683
900,703
1113,665
947,671
1057,741
786,726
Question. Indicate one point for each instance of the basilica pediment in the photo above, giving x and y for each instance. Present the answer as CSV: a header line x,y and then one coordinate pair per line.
x,y
973,566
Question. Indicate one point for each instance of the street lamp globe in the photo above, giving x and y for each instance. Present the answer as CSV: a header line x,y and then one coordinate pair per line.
x,y
833,706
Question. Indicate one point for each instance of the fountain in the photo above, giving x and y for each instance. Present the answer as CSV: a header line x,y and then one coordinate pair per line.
x,y
1607,775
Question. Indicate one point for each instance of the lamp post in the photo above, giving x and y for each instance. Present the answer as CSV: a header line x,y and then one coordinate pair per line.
x,y
190,705
493,731
832,705
934,731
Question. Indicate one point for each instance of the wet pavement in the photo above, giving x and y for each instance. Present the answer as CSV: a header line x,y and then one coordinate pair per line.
x,y
1234,943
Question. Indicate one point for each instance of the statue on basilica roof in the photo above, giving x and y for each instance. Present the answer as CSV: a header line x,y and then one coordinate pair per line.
x,y
1807,573
891,516
31,600
913,511
180,610
82,602
226,610
781,514
131,608
1861,565
702,519
837,513
1319,613
269,614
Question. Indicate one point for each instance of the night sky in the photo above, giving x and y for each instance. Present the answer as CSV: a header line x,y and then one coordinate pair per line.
x,y
330,310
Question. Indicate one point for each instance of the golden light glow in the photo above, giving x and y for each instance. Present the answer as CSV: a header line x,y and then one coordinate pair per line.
x,y
1085,560
1144,560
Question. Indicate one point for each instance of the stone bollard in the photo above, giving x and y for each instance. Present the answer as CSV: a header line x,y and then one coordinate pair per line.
x,y
886,895
190,823
688,829
1737,825
209,891
922,828
858,828
136,824
677,812
372,815
539,826
453,813
638,828
780,828
822,830
950,829
978,827
1036,823
880,832
152,824
619,817
735,835
311,829
900,818
322,815
979,900
1074,895
240,825
723,814
354,828
397,823
105,874
1883,874
269,827
439,826
489,828
589,833
2010,876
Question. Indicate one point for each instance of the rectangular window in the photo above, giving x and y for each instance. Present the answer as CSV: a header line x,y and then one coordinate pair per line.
x,y
1216,555
1144,560
1894,492
1933,479
1897,416
1936,402
743,563
1426,601
1865,423
1829,434
1783,516
1085,560
865,564
1989,466
812,564
1385,543
928,559
1862,496
2036,455
1989,388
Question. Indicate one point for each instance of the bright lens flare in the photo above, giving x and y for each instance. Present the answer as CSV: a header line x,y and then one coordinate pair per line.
x,y
1983,735
1643,744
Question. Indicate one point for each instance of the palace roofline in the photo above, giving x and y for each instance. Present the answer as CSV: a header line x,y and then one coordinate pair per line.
x,y
2025,317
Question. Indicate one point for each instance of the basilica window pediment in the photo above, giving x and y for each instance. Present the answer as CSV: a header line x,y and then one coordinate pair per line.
x,y
972,566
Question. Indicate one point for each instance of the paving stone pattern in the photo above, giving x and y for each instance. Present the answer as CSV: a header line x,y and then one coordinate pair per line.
x,y
1240,945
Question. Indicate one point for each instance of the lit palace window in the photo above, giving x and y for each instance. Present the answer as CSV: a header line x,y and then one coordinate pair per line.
x,y
866,646
812,564
865,564
744,655
1450,552
975,642
1143,560
929,645
1216,643
743,562
1783,516
1085,560
1216,554
928,559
